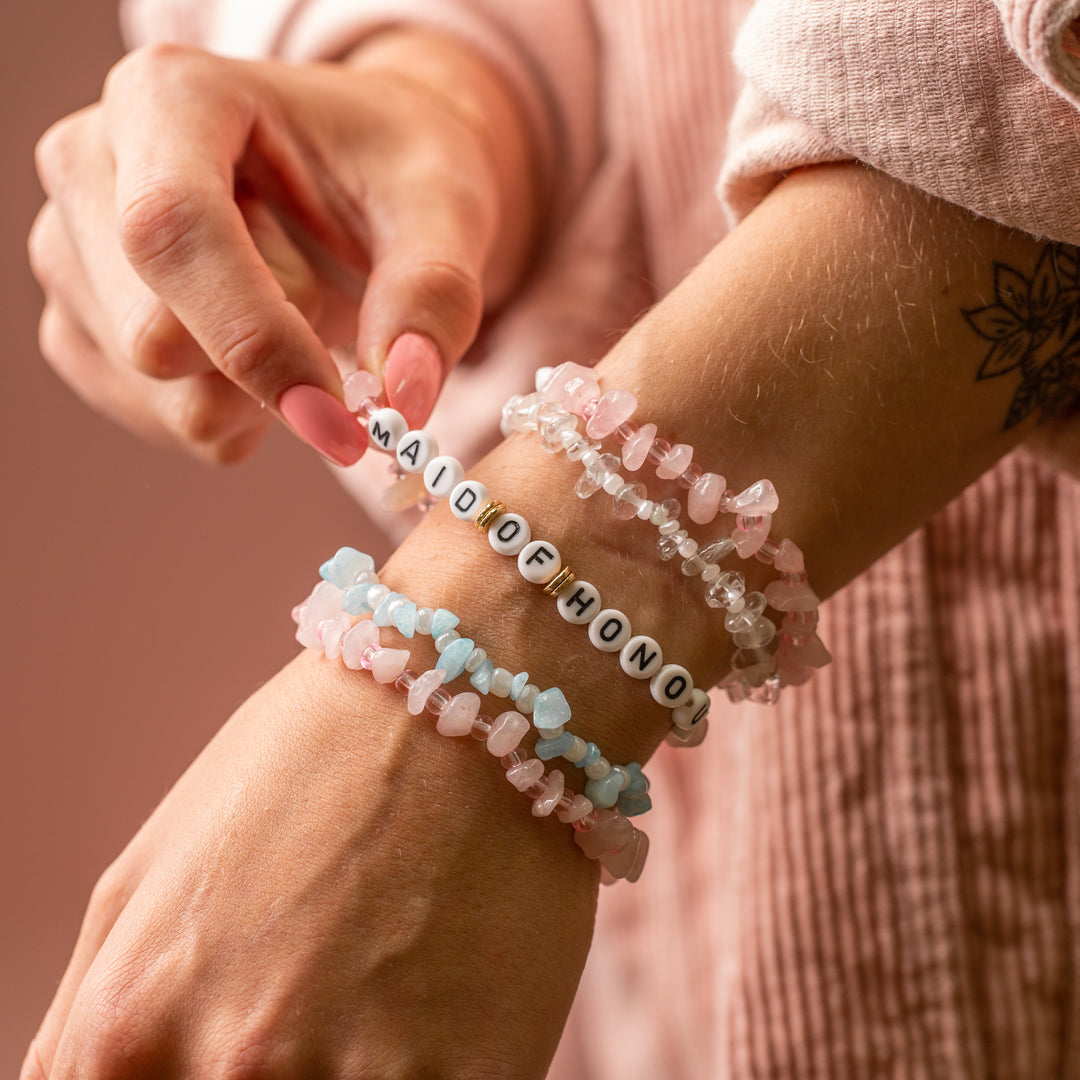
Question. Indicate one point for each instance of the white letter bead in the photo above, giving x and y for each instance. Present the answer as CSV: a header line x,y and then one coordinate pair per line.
x,y
641,657
509,533
693,712
415,450
386,428
671,686
468,499
579,603
610,630
539,562
442,475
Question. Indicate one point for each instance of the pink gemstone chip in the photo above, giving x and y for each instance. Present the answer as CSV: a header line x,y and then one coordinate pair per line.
x,y
578,808
791,597
528,772
388,664
613,409
628,861
636,449
360,385
749,535
612,832
507,730
544,804
789,558
363,634
703,501
457,718
675,462
418,693
571,385
759,498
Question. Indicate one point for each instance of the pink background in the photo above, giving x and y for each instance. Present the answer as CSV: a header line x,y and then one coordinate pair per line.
x,y
144,595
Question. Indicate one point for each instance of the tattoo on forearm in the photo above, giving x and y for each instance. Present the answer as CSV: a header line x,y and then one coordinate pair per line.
x,y
1034,329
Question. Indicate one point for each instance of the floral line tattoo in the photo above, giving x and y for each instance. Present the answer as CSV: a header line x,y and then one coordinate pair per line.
x,y
1034,328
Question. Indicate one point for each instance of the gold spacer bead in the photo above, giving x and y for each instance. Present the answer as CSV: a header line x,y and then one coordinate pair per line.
x,y
559,581
488,513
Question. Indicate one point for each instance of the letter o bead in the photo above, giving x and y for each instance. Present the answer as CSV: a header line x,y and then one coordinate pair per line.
x,y
641,657
509,533
610,630
467,499
442,475
693,712
415,450
386,428
671,686
539,562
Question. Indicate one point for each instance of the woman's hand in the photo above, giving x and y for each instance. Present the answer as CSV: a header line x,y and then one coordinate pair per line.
x,y
332,889
213,226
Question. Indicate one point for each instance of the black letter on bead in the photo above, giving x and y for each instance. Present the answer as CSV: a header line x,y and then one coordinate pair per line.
x,y
582,605
380,434
469,492
437,477
679,682
502,534
618,629
541,554
643,661
411,452
700,714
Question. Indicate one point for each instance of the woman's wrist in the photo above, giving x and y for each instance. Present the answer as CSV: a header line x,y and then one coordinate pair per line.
x,y
462,83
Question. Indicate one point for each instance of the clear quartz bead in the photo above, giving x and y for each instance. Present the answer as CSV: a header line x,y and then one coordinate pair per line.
x,y
604,466
587,485
662,511
577,446
752,605
612,483
552,432
688,548
717,550
725,590
759,633
694,566
628,500
667,547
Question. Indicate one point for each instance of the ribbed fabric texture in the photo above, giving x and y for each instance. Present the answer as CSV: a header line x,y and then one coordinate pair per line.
x,y
881,877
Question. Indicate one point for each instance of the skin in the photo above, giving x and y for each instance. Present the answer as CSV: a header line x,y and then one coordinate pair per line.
x,y
334,890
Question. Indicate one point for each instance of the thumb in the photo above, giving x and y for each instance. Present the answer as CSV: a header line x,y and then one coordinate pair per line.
x,y
422,306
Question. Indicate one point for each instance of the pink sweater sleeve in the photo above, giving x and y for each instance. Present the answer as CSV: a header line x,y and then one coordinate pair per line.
x,y
545,49
972,102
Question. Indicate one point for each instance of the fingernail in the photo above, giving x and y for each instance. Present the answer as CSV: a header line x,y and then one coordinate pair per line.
x,y
321,420
413,377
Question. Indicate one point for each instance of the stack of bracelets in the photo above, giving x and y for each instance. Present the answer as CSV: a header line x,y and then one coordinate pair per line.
x,y
349,607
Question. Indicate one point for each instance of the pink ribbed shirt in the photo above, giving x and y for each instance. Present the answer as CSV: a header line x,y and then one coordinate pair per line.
x,y
880,878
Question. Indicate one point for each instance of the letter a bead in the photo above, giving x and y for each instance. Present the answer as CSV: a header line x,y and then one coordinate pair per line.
x,y
415,450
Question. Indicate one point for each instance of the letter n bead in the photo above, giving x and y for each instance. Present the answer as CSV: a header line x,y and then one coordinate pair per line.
x,y
641,657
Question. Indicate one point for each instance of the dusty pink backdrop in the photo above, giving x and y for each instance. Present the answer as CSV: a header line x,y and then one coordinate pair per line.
x,y
143,596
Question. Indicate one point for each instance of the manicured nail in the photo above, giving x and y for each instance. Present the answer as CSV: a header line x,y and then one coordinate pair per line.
x,y
413,377
323,422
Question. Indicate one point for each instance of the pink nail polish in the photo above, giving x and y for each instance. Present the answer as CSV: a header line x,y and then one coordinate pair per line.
x,y
321,420
413,377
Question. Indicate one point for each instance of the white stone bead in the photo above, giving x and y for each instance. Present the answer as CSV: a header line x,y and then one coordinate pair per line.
x,y
552,733
641,657
669,526
476,658
542,376
524,703
500,682
386,428
645,510
442,475
467,499
736,605
693,712
589,458
688,547
415,450
376,595
509,533
624,781
579,602
710,573
445,638
577,751
671,686
539,562
598,769
424,617
612,483
610,630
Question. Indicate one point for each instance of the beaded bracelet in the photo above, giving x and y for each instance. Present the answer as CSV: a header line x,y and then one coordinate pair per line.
x,y
353,572
604,834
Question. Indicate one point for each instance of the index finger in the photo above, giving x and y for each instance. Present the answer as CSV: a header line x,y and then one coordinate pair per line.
x,y
178,122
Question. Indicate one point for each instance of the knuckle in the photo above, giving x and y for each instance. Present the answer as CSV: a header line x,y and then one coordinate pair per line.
x,y
152,337
248,350
33,1067
54,154
52,342
450,292
195,418
146,63
41,246
158,219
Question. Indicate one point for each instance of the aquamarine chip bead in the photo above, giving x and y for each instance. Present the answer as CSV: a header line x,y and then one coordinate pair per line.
x,y
518,684
345,566
405,619
382,616
355,599
639,784
442,621
546,749
550,709
481,677
635,804
592,753
604,792
453,657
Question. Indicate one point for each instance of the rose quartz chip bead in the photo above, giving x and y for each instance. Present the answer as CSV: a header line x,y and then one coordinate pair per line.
x,y
359,386
570,385
553,792
703,501
388,664
507,730
750,533
636,448
457,718
611,410
526,773
363,634
675,462
423,686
